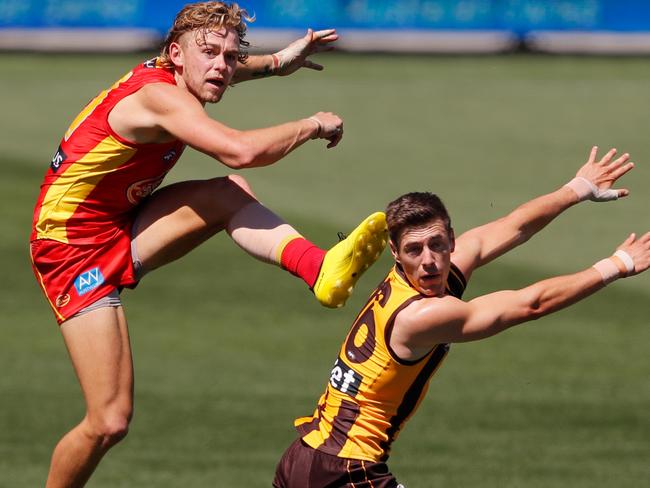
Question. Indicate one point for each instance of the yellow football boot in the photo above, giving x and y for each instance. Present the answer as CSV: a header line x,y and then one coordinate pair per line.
x,y
346,261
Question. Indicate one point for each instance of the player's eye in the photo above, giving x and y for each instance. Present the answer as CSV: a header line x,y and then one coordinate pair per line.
x,y
413,250
438,246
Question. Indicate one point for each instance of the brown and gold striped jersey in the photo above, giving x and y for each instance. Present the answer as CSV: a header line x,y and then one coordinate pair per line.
x,y
372,392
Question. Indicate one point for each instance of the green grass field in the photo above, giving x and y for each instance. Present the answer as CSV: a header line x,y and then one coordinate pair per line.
x,y
229,351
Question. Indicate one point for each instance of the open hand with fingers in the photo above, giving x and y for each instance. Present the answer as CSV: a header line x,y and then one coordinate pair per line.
x,y
639,252
594,179
295,55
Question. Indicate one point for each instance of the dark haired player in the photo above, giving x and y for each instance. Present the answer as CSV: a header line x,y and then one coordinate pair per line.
x,y
404,332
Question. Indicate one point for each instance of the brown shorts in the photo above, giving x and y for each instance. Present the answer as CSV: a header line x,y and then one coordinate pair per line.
x,y
304,467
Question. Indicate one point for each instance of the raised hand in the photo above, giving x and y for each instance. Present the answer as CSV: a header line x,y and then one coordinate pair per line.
x,y
295,55
638,250
594,179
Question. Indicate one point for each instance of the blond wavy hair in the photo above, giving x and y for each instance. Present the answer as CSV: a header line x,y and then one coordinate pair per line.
x,y
205,17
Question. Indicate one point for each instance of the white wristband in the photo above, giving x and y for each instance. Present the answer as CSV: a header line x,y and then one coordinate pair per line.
x,y
582,186
627,260
318,125
586,190
276,62
608,270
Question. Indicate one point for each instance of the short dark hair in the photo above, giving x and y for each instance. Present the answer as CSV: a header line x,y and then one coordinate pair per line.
x,y
414,210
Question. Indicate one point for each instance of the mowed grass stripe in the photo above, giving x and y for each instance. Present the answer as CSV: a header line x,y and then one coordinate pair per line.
x,y
228,351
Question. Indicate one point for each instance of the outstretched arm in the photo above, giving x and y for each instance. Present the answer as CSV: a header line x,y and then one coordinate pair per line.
x,y
288,60
447,319
593,182
180,115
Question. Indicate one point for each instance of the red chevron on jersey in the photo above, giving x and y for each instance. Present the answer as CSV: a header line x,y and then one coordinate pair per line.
x,y
97,178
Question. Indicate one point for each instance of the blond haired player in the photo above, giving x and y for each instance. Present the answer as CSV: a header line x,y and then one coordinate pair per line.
x,y
99,226
403,333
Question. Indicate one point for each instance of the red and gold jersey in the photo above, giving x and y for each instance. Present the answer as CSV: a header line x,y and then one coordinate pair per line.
x,y
96,177
371,392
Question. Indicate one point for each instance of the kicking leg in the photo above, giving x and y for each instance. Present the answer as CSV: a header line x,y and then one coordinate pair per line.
x,y
98,344
181,216
178,218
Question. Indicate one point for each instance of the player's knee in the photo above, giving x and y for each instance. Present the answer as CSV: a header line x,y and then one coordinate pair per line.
x,y
111,426
226,191
218,199
114,429
241,183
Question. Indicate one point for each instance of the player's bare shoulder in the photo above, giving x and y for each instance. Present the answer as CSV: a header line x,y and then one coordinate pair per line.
x,y
467,251
425,323
431,312
140,116
163,97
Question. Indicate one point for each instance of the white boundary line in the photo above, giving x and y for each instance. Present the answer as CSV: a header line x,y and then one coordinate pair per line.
x,y
589,42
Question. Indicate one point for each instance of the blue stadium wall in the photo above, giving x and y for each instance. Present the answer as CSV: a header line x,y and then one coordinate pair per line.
x,y
427,21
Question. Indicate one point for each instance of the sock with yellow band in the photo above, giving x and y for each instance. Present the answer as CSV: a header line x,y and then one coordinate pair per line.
x,y
301,258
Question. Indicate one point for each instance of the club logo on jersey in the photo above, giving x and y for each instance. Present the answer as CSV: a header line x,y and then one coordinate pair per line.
x,y
142,189
361,342
170,157
150,63
62,300
58,159
345,379
88,281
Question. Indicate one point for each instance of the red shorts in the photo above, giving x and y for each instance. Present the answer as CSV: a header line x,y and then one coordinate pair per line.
x,y
75,276
302,466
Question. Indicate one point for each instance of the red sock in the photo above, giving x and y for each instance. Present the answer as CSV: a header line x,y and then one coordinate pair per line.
x,y
303,259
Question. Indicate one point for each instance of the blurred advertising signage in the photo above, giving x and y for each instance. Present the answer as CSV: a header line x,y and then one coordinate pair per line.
x,y
88,13
512,15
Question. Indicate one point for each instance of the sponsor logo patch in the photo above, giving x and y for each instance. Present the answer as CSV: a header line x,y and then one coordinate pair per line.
x,y
62,300
58,159
345,379
142,189
170,156
88,281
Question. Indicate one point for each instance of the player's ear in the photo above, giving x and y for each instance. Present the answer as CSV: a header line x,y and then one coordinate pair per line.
x,y
393,250
176,54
